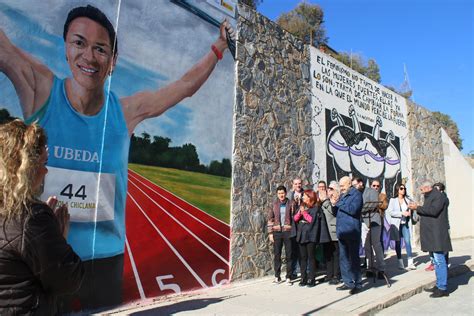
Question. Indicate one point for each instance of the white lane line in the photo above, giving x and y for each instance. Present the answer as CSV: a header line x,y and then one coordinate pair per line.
x,y
135,271
179,207
136,175
185,228
177,197
186,264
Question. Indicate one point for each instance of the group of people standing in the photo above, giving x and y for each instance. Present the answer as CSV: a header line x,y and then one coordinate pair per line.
x,y
302,219
342,216
295,222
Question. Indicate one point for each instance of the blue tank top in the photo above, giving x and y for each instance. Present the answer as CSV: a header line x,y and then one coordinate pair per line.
x,y
87,170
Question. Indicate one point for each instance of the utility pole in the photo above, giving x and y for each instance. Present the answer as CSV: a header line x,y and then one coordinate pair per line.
x,y
406,87
350,58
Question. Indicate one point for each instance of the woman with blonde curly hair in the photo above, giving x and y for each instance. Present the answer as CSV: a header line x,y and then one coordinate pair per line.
x,y
36,263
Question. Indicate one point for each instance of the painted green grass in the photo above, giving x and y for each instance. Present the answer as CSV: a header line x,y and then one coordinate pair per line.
x,y
207,192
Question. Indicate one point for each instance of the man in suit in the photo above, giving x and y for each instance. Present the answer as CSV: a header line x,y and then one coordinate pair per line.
x,y
348,229
295,196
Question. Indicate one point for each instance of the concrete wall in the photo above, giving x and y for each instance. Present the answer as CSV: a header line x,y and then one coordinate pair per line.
x,y
460,188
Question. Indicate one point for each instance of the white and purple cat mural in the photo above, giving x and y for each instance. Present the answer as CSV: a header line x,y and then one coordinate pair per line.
x,y
359,127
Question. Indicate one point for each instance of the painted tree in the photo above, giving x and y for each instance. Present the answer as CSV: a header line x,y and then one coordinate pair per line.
x,y
306,22
450,127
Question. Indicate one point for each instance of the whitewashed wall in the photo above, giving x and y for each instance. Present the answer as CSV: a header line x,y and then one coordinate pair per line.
x,y
459,188
359,127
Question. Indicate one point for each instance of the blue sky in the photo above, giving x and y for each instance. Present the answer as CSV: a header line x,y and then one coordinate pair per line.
x,y
433,38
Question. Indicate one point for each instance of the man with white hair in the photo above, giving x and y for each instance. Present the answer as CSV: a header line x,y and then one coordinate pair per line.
x,y
434,235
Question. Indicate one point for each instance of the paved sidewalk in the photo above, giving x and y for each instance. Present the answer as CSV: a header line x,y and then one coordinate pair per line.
x,y
261,297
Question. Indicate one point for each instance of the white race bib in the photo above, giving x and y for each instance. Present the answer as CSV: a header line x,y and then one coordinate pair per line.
x,y
89,196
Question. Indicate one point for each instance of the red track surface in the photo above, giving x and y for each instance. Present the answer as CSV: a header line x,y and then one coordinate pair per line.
x,y
171,245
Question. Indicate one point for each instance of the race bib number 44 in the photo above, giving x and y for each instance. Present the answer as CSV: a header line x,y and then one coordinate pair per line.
x,y
89,196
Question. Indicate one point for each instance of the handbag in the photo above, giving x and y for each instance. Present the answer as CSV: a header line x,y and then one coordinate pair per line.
x,y
394,233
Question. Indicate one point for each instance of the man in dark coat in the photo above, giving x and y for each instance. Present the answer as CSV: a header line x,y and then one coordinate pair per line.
x,y
295,196
348,228
434,234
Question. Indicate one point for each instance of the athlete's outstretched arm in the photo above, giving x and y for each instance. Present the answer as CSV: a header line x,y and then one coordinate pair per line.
x,y
147,104
31,79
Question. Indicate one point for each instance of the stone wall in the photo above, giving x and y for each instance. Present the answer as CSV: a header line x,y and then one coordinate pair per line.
x,y
272,142
272,136
426,151
427,158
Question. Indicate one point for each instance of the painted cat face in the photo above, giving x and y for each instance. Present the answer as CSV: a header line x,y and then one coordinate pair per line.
x,y
339,150
365,156
354,150
392,162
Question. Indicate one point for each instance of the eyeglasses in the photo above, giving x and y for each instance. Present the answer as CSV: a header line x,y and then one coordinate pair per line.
x,y
402,188
375,186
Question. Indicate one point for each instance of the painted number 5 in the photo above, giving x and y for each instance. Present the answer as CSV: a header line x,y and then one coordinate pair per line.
x,y
171,286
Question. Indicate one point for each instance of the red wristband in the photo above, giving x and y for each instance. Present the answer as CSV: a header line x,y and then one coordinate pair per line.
x,y
216,51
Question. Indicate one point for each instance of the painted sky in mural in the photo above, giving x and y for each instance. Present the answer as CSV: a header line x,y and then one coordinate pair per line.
x,y
361,124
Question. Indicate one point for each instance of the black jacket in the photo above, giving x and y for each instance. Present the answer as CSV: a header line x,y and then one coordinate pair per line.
x,y
434,234
328,219
36,264
307,232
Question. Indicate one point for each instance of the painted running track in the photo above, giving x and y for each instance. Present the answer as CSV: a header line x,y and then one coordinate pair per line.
x,y
171,246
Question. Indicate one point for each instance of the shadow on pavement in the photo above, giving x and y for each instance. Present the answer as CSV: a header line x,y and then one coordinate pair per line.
x,y
190,305
459,260
463,279
420,260
311,312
